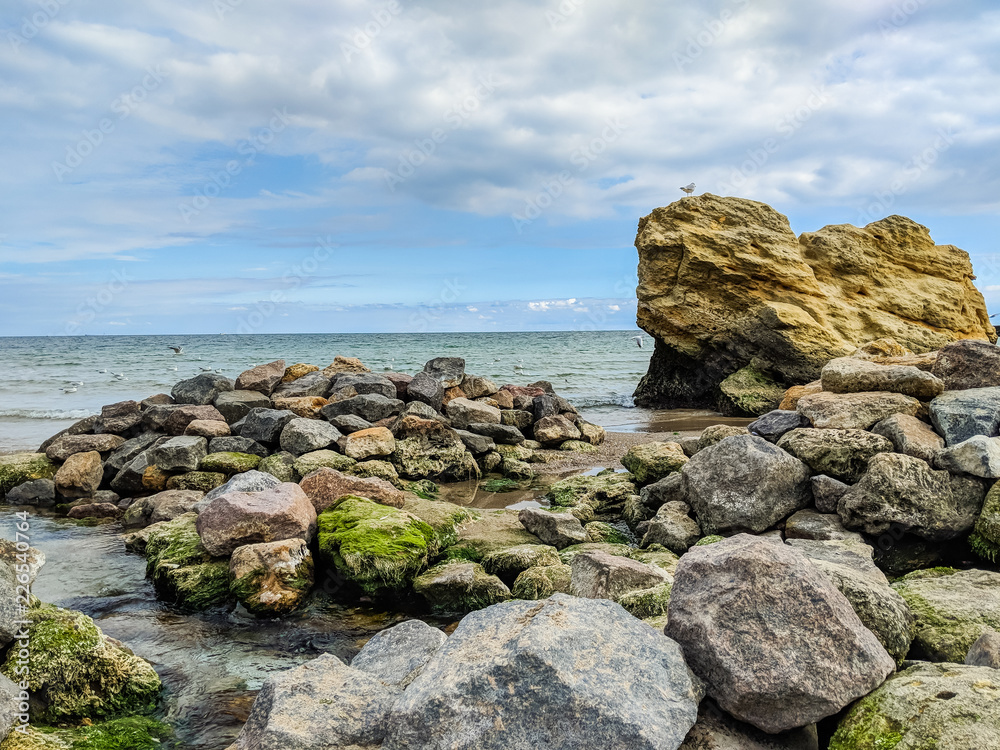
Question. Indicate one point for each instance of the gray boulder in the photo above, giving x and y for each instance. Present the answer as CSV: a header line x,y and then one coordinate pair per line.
x,y
163,506
669,489
717,730
425,388
10,698
510,677
985,652
236,444
958,415
774,424
905,493
827,492
778,645
371,407
118,419
361,384
348,423
557,529
477,444
319,705
672,528
978,456
854,411
910,436
808,524
462,412
598,575
234,405
182,453
449,371
310,384
500,433
265,425
841,454
744,483
854,375
396,655
307,435
201,390
40,492
247,481
968,364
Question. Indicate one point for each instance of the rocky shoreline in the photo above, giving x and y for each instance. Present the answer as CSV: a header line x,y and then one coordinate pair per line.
x,y
824,578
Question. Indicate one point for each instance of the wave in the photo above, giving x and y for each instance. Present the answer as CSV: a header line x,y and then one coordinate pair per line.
x,y
620,400
46,413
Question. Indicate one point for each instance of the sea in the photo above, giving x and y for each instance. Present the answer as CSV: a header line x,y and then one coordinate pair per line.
x,y
48,383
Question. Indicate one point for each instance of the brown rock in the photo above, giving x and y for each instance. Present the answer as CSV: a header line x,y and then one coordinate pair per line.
x,y
80,475
262,378
160,399
725,281
324,487
207,428
555,429
303,406
923,362
968,364
154,479
450,394
523,390
881,349
854,411
910,436
853,375
793,394
67,445
119,418
375,441
296,371
237,518
272,577
174,419
344,364
598,575
401,382
504,399
95,510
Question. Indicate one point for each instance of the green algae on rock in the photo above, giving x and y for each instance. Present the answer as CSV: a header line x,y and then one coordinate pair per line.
x,y
542,582
229,463
443,517
77,672
181,568
487,532
281,466
748,392
24,467
651,462
589,498
377,547
645,603
132,733
458,587
308,463
507,564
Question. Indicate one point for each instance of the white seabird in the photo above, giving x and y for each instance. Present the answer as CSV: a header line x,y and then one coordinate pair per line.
x,y
638,341
689,188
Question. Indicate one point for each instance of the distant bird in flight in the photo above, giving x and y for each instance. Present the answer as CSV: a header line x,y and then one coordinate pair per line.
x,y
177,349
638,339
689,188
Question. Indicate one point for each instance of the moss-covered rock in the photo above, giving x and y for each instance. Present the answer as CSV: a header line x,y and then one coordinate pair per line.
x,y
180,567
202,481
578,446
543,582
281,466
988,523
379,548
587,498
600,532
710,539
487,532
748,392
24,467
645,603
229,463
419,457
377,469
425,489
307,463
951,609
458,587
516,470
507,564
77,672
271,578
566,554
443,517
498,484
132,733
515,452
984,548
652,462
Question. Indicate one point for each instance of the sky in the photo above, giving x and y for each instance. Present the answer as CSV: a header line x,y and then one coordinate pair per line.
x,y
209,166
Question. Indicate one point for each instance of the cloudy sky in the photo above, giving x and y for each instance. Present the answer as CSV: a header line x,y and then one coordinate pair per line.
x,y
189,166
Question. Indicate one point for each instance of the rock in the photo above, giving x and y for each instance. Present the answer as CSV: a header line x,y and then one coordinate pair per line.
x,y
590,433
201,481
794,394
482,671
578,446
449,371
744,483
854,411
748,392
181,569
234,405
542,582
80,475
281,466
296,371
371,407
79,673
307,407
906,493
201,390
426,389
301,435
376,469
402,383
477,444
266,425
321,704
959,415
477,387
926,706
237,518
716,730
598,575
345,364
174,420
557,529
489,532
985,652
672,528
716,434
508,564
250,481
808,524
129,480
19,468
459,587
652,462
314,384
272,578
910,436
378,548
778,645
668,489
207,429
118,419
67,445
522,420
94,510
179,454
978,456
348,423
262,378
427,449
987,525
163,506
325,487
841,454
396,655
853,375
500,434
236,444
555,429
827,492
953,608
968,364
718,295
774,424
307,463
41,492
370,443
462,412
229,463
349,385
586,497
10,694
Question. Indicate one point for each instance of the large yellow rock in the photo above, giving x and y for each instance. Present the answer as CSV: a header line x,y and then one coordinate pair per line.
x,y
724,282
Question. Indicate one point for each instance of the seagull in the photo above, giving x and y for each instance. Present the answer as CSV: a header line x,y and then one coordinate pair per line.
x,y
173,369
120,376
205,369
177,349
689,188
103,372
638,341
69,389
